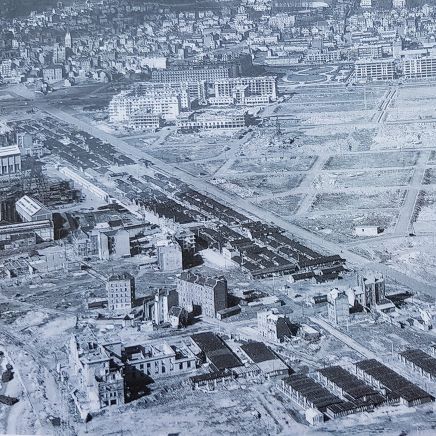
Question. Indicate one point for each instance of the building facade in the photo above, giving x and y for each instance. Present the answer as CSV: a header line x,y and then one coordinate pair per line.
x,y
273,326
206,293
374,69
170,257
120,290
419,67
10,160
373,289
244,91
338,307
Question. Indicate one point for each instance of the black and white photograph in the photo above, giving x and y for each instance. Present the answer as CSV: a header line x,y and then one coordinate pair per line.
x,y
218,217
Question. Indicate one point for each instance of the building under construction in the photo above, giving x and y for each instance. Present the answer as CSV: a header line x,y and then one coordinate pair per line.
x,y
51,192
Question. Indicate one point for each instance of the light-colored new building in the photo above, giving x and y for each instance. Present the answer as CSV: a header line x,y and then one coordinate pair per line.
x,y
338,307
191,74
244,91
197,291
120,290
125,105
122,107
209,121
375,69
144,105
419,67
10,160
143,120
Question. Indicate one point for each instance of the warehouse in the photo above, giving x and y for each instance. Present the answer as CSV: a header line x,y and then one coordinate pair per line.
x,y
216,352
391,383
348,386
268,362
420,362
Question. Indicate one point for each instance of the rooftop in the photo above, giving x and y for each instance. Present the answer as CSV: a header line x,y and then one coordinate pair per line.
x,y
9,151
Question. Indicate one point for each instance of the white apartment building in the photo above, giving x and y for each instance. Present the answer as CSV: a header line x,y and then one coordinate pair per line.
x,y
374,69
244,91
206,121
125,105
419,67
120,290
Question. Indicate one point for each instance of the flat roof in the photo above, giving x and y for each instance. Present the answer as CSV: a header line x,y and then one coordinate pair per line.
x,y
258,352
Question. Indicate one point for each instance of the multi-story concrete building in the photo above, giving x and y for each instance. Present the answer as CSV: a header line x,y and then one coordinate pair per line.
x,y
128,105
120,290
52,74
209,121
338,307
244,91
370,51
170,257
375,69
10,160
193,73
209,294
145,120
419,67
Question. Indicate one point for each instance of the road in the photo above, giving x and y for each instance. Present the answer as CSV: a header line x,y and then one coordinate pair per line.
x,y
240,204
406,211
344,338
